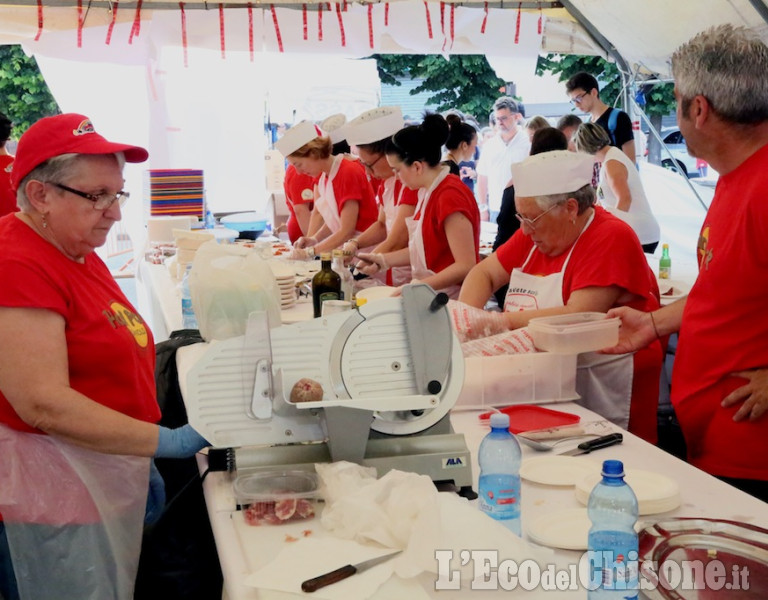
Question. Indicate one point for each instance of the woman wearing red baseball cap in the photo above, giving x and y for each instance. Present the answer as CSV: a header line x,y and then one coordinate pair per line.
x,y
78,407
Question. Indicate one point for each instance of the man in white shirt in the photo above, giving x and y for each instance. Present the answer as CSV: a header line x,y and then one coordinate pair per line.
x,y
509,145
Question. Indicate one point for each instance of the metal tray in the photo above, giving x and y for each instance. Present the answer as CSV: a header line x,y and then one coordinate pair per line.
x,y
702,559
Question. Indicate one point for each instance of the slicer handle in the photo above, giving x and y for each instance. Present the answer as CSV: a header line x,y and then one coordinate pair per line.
x,y
440,300
314,584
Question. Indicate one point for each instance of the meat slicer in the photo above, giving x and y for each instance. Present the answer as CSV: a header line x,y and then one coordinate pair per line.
x,y
390,371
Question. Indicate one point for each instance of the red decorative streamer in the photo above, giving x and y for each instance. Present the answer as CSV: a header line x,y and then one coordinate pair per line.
x,y
277,28
111,24
429,20
453,23
341,26
136,29
80,21
39,20
184,34
320,22
370,25
517,25
442,25
250,30
485,17
540,18
386,14
222,38
304,18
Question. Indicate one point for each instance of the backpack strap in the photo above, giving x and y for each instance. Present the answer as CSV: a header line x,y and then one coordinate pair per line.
x,y
613,117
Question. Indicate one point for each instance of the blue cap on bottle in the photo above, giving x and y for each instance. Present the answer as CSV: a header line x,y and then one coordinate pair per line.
x,y
613,468
500,421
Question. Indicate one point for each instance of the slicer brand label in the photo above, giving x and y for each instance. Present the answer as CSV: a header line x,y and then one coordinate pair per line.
x,y
454,461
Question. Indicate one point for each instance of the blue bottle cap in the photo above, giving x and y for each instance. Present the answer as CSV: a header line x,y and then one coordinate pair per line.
x,y
613,468
500,421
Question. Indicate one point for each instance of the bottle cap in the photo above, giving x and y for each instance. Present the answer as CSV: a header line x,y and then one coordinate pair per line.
x,y
500,421
613,468
325,256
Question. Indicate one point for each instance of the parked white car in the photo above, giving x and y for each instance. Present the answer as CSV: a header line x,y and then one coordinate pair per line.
x,y
680,160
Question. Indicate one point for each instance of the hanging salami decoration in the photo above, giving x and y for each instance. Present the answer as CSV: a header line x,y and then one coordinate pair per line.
x,y
277,28
485,17
341,26
320,22
80,21
111,24
517,25
184,33
370,25
540,18
386,14
442,25
222,36
39,20
429,20
304,19
136,29
452,28
250,30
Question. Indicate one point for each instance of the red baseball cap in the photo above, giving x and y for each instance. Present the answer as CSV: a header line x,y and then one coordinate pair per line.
x,y
64,134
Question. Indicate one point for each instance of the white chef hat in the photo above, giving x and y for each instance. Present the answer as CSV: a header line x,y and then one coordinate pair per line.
x,y
374,125
298,135
333,126
556,172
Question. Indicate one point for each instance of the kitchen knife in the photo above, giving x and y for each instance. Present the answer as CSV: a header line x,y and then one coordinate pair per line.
x,y
314,584
601,442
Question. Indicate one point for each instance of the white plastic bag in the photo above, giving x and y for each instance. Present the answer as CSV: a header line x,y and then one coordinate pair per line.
x,y
228,283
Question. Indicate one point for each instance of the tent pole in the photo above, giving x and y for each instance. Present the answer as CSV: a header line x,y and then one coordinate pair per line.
x,y
761,8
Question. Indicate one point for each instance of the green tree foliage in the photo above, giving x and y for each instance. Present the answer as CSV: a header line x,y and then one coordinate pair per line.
x,y
465,82
659,97
24,95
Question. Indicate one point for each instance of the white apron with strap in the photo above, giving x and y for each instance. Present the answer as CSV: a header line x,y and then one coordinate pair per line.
x,y
389,203
419,269
326,200
73,517
603,381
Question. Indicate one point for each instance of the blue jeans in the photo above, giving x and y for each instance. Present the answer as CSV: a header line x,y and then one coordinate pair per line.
x,y
8,590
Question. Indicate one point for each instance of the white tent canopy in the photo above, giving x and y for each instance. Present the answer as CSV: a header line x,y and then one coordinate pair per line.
x,y
196,86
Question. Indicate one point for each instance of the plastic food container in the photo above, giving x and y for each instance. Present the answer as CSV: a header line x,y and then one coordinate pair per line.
x,y
277,497
574,333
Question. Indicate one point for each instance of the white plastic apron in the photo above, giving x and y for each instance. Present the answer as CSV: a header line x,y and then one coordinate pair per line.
x,y
73,517
419,269
389,203
603,381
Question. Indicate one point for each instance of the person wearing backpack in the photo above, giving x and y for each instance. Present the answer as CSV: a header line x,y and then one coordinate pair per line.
x,y
584,93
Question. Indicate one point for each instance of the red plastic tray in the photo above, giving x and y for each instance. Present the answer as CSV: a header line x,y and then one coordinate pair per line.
x,y
525,417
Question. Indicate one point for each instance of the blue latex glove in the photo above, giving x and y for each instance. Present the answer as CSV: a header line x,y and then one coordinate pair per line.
x,y
155,496
182,442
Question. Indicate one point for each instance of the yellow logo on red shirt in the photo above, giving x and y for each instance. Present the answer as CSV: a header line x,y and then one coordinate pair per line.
x,y
704,252
123,316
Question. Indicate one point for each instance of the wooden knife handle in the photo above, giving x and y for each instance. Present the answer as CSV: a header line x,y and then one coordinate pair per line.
x,y
314,584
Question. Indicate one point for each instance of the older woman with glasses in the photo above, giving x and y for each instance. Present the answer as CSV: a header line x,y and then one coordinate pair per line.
x,y
570,256
78,406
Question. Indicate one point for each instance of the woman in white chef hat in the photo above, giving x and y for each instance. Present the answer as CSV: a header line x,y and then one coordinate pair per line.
x,y
371,135
571,256
344,197
444,232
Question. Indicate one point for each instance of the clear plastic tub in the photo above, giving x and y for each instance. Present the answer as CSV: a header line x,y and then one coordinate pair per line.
x,y
574,333
277,497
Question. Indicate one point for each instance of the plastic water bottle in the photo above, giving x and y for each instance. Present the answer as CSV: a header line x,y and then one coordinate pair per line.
x,y
499,486
612,544
188,319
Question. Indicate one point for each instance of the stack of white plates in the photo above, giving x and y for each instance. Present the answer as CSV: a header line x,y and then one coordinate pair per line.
x,y
286,282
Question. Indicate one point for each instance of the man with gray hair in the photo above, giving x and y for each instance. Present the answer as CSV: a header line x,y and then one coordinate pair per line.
x,y
497,155
719,380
